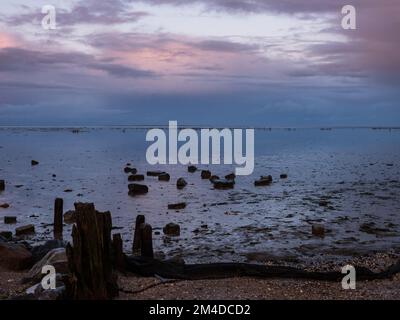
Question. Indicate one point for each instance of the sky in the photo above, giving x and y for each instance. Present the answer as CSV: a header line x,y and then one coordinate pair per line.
x,y
204,62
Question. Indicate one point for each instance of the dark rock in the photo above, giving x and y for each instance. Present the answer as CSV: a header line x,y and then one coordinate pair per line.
x,y
263,181
69,217
25,230
231,176
284,176
137,189
130,170
172,229
164,177
192,169
4,205
177,206
14,257
2,185
214,178
181,183
38,252
6,235
154,173
10,220
224,184
136,177
318,230
205,174
34,163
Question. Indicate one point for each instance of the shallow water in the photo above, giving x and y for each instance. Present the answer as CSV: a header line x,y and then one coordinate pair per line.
x,y
356,170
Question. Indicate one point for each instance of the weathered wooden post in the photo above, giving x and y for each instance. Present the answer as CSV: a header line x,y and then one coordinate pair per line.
x,y
118,254
136,247
91,272
58,218
2,185
146,232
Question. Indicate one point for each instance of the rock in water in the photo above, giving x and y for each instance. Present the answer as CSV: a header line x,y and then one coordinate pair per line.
x,y
205,174
7,235
231,176
177,206
318,230
25,230
130,170
164,177
154,173
4,205
136,177
172,229
14,257
10,220
34,163
192,169
181,183
284,176
224,184
263,181
137,189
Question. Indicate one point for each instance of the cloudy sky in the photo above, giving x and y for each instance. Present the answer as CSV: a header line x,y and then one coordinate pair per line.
x,y
208,62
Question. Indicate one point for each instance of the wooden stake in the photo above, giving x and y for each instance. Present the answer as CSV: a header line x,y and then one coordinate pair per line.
x,y
58,218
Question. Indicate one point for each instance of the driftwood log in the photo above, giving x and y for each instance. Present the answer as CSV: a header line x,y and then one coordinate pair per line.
x,y
90,260
170,270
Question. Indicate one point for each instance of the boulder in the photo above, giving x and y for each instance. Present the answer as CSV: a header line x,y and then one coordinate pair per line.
x,y
34,163
56,258
205,174
154,173
6,235
130,170
263,181
192,169
181,183
136,177
224,184
172,229
38,252
137,189
14,257
164,177
70,217
25,230
10,220
177,206
318,230
2,185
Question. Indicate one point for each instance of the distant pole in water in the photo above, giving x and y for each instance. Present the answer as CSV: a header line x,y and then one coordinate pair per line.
x,y
2,185
146,232
58,218
136,247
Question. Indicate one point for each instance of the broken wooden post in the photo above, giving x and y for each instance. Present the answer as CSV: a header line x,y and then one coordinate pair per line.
x,y
2,185
146,232
58,218
118,254
89,258
136,247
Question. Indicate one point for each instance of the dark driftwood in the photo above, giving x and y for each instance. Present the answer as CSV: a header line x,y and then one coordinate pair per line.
x,y
90,262
170,270
58,218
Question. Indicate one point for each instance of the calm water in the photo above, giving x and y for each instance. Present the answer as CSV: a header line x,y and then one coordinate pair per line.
x,y
357,170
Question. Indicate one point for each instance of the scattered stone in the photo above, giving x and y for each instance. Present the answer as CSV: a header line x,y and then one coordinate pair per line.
x,y
263,181
205,174
4,205
137,189
231,176
318,230
172,229
192,169
14,257
38,252
136,177
224,184
34,163
6,235
181,183
2,185
164,177
10,220
69,217
130,170
25,230
154,173
177,206
284,176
